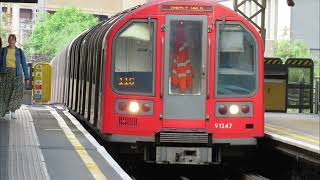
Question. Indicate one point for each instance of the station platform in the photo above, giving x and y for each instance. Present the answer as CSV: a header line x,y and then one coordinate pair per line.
x,y
46,142
299,130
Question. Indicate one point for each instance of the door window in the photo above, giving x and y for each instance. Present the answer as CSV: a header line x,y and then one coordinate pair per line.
x,y
185,56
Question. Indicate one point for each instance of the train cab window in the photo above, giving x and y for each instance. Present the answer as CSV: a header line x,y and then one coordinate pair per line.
x,y
185,57
133,59
237,62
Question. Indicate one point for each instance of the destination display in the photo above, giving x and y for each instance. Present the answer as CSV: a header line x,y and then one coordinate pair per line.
x,y
193,8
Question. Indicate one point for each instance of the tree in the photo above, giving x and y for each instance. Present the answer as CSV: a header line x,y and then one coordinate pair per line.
x,y
285,49
53,32
3,34
3,28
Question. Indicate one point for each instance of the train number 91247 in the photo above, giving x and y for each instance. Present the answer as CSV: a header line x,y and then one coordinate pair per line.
x,y
223,125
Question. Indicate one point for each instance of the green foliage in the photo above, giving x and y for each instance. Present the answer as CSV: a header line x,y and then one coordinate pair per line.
x,y
3,30
53,32
299,75
3,34
285,49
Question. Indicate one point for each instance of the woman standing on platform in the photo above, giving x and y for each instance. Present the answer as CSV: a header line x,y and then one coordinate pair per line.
x,y
12,64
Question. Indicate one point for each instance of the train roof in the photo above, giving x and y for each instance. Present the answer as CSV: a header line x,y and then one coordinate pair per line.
x,y
96,37
209,2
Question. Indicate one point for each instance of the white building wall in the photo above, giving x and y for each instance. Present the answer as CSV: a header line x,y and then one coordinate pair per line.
x,y
130,3
15,25
283,25
277,24
305,24
227,3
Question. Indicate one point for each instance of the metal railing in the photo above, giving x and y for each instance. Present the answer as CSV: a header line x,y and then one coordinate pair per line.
x,y
300,96
301,86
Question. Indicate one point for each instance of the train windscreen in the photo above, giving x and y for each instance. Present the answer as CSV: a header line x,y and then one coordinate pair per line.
x,y
133,71
237,63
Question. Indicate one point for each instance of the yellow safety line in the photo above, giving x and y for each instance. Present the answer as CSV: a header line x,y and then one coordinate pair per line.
x,y
88,161
315,141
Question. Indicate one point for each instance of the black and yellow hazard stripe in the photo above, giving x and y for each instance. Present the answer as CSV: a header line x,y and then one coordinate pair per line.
x,y
299,62
272,61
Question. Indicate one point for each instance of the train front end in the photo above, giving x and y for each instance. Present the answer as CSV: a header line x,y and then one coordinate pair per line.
x,y
184,82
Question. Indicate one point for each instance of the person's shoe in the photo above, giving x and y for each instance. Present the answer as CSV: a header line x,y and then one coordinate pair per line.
x,y
13,115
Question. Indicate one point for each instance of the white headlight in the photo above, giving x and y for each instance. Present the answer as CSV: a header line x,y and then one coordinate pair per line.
x,y
134,107
234,109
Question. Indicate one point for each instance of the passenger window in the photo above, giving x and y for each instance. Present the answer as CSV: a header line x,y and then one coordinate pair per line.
x,y
133,71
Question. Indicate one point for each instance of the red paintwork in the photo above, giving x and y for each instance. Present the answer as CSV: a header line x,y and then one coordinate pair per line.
x,y
149,125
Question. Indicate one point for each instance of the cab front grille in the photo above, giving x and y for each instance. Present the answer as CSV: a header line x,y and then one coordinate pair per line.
x,y
128,121
184,137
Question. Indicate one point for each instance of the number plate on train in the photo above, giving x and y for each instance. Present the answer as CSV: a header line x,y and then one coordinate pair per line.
x,y
223,125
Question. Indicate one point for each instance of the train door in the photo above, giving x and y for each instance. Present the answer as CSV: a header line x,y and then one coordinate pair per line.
x,y
185,67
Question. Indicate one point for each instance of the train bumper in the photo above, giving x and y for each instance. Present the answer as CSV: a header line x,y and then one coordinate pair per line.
x,y
183,155
153,139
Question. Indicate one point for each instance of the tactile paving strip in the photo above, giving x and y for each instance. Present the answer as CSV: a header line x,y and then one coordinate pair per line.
x,y
24,159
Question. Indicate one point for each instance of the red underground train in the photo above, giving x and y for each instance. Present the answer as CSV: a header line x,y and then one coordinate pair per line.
x,y
181,81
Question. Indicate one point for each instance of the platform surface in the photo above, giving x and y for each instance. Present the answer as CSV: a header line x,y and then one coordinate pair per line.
x,y
301,130
44,142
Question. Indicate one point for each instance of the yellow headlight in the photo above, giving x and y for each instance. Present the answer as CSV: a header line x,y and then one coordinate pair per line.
x,y
134,107
234,109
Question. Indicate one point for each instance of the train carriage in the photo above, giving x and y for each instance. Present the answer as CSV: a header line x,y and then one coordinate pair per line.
x,y
180,80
